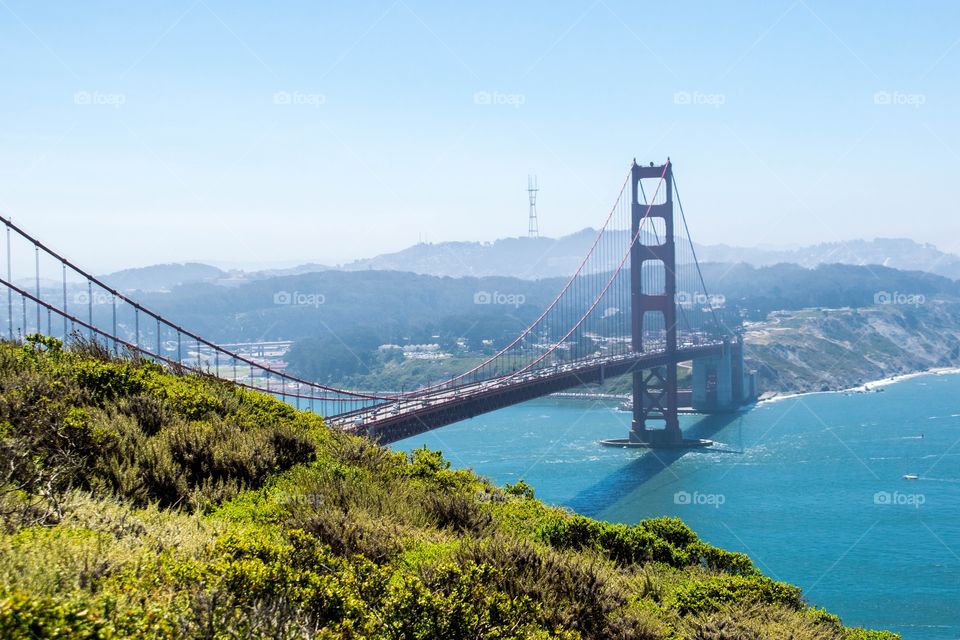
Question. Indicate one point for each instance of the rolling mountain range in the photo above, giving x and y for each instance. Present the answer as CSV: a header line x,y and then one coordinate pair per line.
x,y
538,258
547,257
897,253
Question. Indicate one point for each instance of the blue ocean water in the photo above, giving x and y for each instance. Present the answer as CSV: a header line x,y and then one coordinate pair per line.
x,y
811,488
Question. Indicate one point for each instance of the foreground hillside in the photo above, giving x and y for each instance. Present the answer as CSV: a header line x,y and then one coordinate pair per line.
x,y
139,503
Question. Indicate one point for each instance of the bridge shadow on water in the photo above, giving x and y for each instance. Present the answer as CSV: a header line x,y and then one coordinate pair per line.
x,y
648,463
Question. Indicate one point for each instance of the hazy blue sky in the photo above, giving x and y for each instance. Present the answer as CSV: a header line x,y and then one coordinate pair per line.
x,y
254,132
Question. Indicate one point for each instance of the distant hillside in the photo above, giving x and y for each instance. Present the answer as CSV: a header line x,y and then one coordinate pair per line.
x,y
526,258
162,277
760,290
309,267
537,258
898,253
532,258
821,350
397,306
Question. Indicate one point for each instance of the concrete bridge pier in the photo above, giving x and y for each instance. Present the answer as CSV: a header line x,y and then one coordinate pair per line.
x,y
653,402
722,384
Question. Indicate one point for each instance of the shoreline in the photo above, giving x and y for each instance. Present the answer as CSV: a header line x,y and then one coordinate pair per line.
x,y
871,386
572,395
867,387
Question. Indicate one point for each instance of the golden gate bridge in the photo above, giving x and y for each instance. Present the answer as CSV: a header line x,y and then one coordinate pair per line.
x,y
637,304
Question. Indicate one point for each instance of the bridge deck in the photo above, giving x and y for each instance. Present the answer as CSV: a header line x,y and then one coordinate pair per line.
x,y
391,421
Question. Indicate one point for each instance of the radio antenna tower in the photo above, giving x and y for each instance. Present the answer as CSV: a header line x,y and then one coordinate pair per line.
x,y
532,229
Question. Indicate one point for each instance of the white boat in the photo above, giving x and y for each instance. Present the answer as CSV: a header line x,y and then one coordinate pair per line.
x,y
911,476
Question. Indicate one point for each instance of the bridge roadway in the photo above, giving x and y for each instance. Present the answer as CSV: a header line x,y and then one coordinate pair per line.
x,y
390,421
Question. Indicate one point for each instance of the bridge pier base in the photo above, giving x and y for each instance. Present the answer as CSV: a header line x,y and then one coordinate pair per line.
x,y
656,439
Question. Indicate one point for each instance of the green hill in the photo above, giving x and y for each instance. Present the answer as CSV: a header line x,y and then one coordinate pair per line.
x,y
135,502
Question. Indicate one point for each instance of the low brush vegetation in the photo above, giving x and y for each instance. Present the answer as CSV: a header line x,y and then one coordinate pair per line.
x,y
138,502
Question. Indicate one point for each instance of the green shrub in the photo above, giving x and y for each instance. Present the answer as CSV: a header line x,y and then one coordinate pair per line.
x,y
866,634
623,543
521,489
665,540
350,533
672,530
432,469
575,593
715,592
457,603
107,381
461,514
27,617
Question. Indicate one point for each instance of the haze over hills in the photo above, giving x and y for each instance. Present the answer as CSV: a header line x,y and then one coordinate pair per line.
x,y
527,258
548,257
897,253
537,258
163,277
